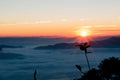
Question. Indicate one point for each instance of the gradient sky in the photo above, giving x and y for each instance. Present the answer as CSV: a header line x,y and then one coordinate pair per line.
x,y
59,17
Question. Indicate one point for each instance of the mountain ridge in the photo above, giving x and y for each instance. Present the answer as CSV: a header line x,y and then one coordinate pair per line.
x,y
113,42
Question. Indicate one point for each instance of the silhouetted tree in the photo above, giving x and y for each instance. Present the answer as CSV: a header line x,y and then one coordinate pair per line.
x,y
83,47
109,69
92,74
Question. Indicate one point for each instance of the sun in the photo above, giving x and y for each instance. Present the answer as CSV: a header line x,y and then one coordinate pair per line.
x,y
83,33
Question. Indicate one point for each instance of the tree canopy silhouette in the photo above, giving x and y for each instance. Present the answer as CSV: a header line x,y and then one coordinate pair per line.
x,y
108,69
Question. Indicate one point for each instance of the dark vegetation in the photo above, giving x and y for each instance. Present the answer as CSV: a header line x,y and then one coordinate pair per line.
x,y
108,69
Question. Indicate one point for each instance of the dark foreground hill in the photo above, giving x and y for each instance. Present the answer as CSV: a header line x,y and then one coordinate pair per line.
x,y
113,42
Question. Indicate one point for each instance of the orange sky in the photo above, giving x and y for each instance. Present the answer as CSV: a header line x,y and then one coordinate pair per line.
x,y
57,29
37,30
59,17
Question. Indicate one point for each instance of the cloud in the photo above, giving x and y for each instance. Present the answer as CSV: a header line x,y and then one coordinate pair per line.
x,y
86,26
5,24
64,20
29,22
108,26
82,19
8,56
43,21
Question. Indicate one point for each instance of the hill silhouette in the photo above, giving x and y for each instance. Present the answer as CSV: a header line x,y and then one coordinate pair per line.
x,y
9,46
113,42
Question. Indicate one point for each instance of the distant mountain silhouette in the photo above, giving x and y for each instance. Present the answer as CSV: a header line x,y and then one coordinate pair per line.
x,y
113,42
9,46
58,46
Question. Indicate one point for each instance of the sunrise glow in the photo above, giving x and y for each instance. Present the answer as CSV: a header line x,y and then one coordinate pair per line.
x,y
59,18
83,33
